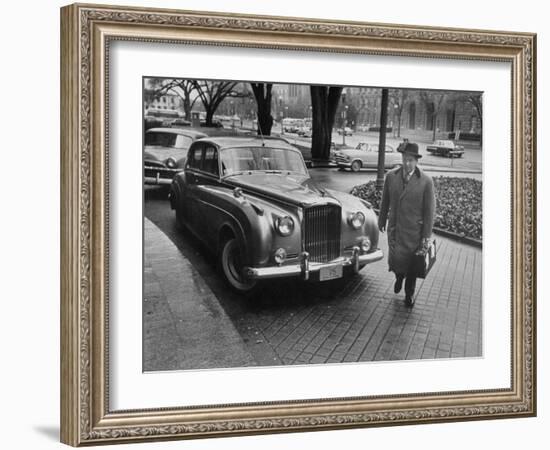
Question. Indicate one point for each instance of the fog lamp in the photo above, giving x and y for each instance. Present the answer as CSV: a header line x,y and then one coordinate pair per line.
x,y
365,245
279,256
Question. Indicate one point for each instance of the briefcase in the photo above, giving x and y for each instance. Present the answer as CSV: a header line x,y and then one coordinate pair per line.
x,y
423,260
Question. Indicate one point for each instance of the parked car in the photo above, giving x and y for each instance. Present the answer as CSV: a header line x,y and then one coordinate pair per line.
x,y
215,124
252,202
165,151
446,148
365,155
161,117
304,132
346,130
180,123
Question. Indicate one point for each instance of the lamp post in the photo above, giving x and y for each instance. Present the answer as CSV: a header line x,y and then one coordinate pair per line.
x,y
344,123
281,113
344,116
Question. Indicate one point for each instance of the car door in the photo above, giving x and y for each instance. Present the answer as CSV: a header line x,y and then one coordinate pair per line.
x,y
189,204
392,158
362,150
370,157
206,177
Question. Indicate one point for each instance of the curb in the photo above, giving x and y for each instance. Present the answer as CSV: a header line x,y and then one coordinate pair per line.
x,y
185,327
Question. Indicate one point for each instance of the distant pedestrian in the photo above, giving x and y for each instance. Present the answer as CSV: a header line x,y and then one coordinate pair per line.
x,y
408,208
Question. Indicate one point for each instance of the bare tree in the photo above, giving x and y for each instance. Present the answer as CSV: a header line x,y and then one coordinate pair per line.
x,y
212,93
475,100
180,87
433,102
398,99
324,103
262,93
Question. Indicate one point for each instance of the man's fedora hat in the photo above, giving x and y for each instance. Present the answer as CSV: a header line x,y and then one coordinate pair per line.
x,y
410,148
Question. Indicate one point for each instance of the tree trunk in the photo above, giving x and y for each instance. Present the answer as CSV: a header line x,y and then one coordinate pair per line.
x,y
187,107
209,116
382,140
262,94
399,124
324,103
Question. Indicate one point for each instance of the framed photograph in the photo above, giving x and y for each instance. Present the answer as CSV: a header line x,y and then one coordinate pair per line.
x,y
276,224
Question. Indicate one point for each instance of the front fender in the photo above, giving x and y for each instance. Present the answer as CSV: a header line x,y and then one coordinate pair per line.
x,y
251,220
351,204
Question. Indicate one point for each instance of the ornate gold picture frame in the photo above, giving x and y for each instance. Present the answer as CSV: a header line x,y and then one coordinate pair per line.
x,y
86,34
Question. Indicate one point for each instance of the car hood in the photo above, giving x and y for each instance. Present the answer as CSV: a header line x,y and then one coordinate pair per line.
x,y
159,153
298,190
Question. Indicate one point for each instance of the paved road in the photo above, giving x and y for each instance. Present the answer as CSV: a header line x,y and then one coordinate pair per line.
x,y
357,319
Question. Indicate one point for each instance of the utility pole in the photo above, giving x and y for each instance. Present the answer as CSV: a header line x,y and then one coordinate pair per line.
x,y
382,140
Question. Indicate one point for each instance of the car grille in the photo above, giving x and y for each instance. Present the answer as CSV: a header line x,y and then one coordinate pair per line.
x,y
322,232
151,171
341,159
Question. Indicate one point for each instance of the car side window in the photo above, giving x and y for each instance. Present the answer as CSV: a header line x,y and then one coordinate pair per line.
x,y
210,160
195,157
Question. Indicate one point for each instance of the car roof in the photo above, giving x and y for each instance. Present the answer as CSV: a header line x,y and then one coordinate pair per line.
x,y
248,141
182,131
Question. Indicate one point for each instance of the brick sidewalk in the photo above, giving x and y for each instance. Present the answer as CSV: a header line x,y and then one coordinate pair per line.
x,y
363,320
184,326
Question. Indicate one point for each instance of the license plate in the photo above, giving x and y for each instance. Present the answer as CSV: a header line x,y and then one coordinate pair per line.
x,y
331,272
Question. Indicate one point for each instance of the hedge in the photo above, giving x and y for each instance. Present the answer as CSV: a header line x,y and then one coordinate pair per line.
x,y
458,204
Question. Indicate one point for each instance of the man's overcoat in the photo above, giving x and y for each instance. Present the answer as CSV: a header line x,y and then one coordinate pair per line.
x,y
409,209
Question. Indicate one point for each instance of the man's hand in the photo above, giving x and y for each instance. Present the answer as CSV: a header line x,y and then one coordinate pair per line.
x,y
381,226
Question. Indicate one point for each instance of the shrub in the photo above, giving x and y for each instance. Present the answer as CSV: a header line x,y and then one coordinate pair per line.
x,y
458,204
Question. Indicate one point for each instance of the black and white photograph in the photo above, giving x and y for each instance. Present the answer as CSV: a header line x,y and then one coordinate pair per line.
x,y
296,224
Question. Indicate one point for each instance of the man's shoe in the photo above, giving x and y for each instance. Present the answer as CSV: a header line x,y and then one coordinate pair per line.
x,y
398,284
409,300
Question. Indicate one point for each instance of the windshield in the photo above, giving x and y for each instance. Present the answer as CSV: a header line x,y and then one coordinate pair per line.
x,y
163,139
266,159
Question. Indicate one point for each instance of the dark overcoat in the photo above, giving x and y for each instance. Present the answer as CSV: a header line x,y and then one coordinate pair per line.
x,y
409,209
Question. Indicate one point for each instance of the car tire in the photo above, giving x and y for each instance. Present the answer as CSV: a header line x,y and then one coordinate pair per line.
x,y
356,166
231,267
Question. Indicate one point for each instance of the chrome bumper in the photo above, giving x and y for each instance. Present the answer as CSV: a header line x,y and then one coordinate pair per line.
x,y
305,267
343,163
158,180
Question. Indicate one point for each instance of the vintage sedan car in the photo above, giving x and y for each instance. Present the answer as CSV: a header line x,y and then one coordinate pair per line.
x,y
365,155
176,123
346,130
252,202
165,151
446,148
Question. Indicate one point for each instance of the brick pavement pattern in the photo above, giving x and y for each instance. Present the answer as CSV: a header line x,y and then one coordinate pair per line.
x,y
363,320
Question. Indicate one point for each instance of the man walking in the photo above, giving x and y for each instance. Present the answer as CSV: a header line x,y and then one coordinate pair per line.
x,y
408,207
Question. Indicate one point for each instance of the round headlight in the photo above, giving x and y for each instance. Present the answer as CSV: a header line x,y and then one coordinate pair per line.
x,y
171,163
279,256
284,225
356,220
